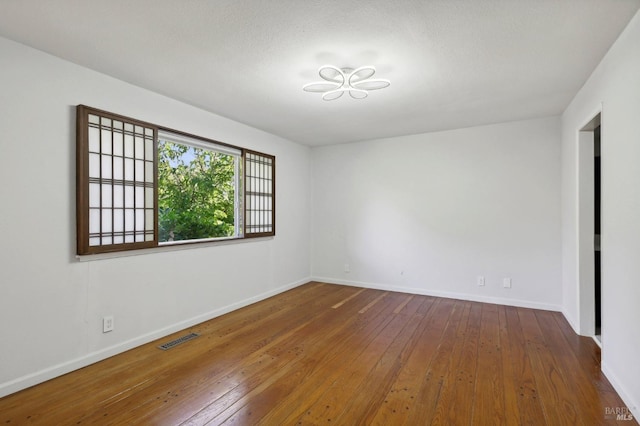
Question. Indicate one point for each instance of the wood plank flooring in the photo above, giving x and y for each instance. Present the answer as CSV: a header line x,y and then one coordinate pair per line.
x,y
323,354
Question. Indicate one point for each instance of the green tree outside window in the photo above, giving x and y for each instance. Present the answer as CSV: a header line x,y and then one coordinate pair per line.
x,y
196,193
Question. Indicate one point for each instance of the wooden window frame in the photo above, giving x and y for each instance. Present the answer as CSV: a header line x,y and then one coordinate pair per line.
x,y
248,192
83,181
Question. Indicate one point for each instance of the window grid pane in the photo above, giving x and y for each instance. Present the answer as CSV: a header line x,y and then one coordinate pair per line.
x,y
118,152
259,195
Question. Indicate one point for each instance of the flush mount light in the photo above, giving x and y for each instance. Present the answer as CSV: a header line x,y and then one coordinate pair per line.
x,y
337,81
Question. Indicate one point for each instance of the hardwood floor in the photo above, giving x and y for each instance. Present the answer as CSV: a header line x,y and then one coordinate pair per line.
x,y
334,355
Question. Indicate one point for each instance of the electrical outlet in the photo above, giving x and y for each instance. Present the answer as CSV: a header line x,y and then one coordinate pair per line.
x,y
347,268
506,283
480,281
107,324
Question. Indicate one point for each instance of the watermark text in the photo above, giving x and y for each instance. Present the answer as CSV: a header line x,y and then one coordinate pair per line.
x,y
618,413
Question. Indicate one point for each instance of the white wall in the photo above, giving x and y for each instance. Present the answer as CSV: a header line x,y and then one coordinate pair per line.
x,y
429,213
51,305
613,88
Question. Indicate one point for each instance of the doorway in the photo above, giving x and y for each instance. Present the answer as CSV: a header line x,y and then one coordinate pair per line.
x,y
596,230
589,224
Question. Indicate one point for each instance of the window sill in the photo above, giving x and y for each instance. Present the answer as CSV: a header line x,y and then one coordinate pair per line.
x,y
167,247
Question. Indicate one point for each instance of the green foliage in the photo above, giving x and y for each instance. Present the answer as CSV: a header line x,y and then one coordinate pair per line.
x,y
195,193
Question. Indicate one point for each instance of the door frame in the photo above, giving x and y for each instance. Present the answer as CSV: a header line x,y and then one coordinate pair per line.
x,y
586,218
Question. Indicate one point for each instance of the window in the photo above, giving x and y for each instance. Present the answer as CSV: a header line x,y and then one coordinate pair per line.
x,y
140,185
197,195
260,193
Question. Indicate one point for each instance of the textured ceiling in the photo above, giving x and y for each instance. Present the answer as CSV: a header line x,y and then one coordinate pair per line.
x,y
452,63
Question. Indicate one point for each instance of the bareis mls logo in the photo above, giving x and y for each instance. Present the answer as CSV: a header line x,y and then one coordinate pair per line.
x,y
618,413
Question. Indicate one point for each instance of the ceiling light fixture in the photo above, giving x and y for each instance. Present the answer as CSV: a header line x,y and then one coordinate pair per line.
x,y
337,81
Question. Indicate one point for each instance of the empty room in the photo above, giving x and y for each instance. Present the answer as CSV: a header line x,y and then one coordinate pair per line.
x,y
320,212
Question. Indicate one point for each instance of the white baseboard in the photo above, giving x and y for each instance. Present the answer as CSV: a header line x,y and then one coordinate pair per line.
x,y
571,322
632,405
445,294
93,357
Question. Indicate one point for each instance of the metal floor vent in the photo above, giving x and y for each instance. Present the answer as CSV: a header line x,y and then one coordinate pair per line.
x,y
177,341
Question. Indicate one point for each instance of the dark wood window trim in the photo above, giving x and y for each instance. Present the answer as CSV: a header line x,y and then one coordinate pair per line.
x,y
257,221
121,167
260,194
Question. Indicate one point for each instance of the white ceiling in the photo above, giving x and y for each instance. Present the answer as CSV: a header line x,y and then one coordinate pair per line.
x,y
452,63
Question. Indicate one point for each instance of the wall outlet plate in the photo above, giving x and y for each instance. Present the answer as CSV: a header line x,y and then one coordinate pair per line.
x,y
107,324
481,281
506,283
